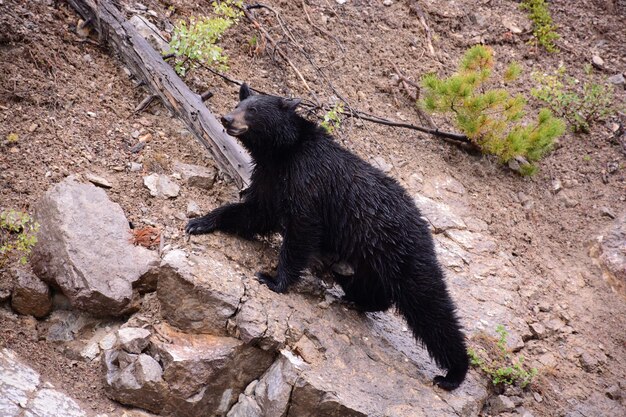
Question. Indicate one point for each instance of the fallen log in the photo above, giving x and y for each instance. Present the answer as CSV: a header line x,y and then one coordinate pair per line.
x,y
147,65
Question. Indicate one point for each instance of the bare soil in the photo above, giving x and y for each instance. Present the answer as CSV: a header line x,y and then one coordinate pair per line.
x,y
72,104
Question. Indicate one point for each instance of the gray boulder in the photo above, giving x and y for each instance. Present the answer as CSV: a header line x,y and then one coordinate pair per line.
x,y
84,248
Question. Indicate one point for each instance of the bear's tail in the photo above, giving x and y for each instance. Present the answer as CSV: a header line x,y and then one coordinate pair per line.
x,y
425,303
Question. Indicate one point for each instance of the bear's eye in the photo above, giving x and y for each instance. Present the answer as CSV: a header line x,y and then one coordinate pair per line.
x,y
252,109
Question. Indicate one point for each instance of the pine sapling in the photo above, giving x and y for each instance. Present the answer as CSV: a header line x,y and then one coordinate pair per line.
x,y
195,42
491,118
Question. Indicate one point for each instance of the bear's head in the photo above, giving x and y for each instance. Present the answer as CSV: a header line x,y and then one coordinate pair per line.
x,y
263,122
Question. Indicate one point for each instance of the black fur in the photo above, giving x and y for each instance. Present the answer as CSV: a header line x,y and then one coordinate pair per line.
x,y
325,200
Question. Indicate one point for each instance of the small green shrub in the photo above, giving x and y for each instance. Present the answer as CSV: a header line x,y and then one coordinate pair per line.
x,y
332,118
490,118
195,41
581,104
494,359
544,28
18,235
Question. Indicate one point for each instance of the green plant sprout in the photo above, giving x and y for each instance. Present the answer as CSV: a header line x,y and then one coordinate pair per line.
x,y
490,118
581,104
195,42
499,366
544,29
332,118
18,235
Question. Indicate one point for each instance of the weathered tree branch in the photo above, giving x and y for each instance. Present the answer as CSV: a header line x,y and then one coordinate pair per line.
x,y
148,66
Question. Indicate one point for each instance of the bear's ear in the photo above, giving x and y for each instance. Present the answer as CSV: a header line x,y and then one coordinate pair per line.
x,y
244,92
290,103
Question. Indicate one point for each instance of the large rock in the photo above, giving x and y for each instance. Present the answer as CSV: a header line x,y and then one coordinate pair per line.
x,y
184,374
30,295
198,294
84,248
332,357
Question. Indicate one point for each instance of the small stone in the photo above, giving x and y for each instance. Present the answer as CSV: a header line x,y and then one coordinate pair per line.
x,y
193,209
537,397
195,175
501,404
380,163
31,296
92,114
588,362
135,134
554,325
98,181
145,138
614,392
341,1
524,412
538,330
387,2
548,360
568,201
90,352
82,29
133,339
512,26
135,167
597,62
108,341
556,186
617,79
33,127
87,58
161,186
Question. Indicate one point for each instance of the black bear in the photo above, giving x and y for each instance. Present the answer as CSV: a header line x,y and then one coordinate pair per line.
x,y
326,201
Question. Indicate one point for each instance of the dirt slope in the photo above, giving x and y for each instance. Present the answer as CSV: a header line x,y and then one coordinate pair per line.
x,y
72,105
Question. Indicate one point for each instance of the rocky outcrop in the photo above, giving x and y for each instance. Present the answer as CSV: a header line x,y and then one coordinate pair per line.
x,y
81,233
331,357
181,374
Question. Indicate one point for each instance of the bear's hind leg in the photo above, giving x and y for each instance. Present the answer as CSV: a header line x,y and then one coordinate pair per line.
x,y
366,293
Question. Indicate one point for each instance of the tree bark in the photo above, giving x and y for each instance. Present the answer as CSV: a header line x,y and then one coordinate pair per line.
x,y
147,65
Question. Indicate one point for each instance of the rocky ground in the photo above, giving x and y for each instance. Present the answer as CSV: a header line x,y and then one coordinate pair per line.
x,y
540,256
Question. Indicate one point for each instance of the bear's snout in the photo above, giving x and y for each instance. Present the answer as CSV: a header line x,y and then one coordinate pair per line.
x,y
227,120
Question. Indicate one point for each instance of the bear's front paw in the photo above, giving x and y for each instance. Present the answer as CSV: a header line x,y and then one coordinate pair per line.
x,y
271,282
200,226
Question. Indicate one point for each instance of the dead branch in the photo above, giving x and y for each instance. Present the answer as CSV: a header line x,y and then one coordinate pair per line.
x,y
321,30
277,48
417,9
290,35
415,95
457,139
148,66
145,103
